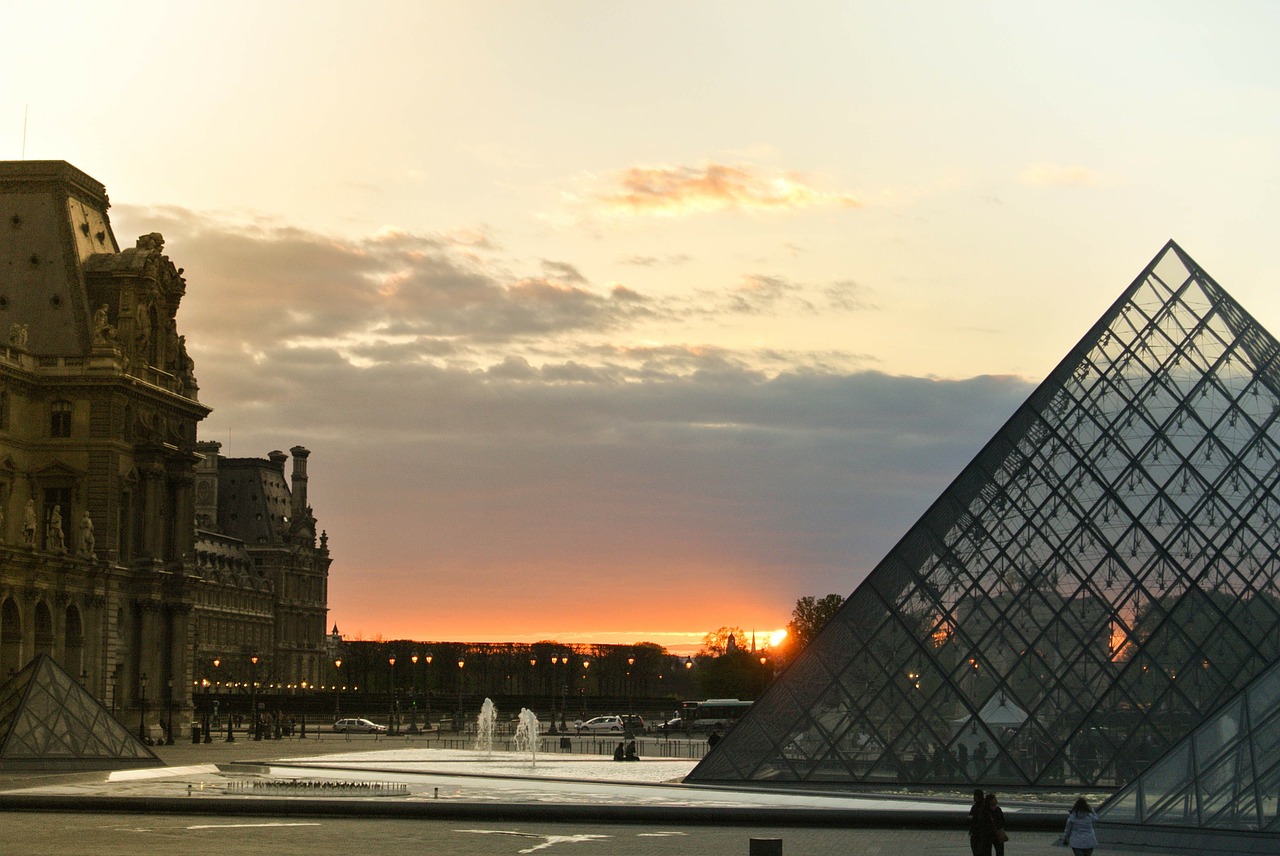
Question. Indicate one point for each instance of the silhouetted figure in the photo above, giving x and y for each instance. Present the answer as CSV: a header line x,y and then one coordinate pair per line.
x,y
619,754
998,835
979,824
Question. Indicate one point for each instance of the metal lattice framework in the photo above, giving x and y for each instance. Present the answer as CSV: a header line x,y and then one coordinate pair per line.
x,y
1089,586
1224,776
48,720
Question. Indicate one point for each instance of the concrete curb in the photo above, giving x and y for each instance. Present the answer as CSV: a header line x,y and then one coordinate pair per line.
x,y
541,812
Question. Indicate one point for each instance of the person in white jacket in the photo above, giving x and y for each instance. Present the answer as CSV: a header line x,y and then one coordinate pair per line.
x,y
1079,834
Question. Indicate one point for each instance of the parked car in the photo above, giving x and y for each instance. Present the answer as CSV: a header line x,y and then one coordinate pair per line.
x,y
600,723
358,726
634,722
675,724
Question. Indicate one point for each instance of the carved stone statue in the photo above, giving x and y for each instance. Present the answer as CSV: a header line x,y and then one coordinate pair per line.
x,y
151,241
86,536
18,335
103,332
57,540
29,524
186,365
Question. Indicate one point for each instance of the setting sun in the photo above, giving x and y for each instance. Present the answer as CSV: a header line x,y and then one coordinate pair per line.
x,y
776,637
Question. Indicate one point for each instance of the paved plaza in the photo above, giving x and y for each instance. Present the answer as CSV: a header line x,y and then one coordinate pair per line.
x,y
452,801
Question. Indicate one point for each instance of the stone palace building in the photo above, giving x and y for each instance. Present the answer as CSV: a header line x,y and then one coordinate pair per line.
x,y
132,553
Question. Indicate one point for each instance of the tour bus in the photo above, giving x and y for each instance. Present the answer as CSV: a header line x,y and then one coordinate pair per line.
x,y
713,713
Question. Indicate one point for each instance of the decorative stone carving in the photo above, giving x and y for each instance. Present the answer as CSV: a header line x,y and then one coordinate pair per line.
x,y
29,524
151,241
103,332
86,536
18,335
57,540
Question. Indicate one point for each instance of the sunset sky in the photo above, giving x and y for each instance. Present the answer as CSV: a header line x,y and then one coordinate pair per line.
x,y
625,321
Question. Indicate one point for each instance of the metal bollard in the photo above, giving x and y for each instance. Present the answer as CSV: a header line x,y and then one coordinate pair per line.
x,y
766,847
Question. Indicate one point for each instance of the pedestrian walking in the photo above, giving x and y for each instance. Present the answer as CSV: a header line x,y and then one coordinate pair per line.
x,y
1079,834
980,828
998,835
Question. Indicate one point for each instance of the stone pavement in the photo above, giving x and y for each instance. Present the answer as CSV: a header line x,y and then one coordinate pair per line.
x,y
45,834
457,805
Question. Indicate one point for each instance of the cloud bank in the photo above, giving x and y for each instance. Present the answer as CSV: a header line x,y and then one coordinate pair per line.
x,y
494,452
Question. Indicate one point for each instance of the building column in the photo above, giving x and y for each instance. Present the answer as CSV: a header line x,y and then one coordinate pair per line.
x,y
181,526
153,519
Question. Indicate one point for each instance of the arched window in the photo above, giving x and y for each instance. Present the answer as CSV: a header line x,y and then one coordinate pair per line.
x,y
10,638
73,641
60,418
44,629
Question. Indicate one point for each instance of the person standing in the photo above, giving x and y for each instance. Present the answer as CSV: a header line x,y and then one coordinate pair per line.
x,y
1079,834
998,835
979,825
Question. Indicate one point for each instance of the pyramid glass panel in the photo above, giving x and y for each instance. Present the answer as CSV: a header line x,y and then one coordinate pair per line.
x,y
1105,567
1223,777
48,719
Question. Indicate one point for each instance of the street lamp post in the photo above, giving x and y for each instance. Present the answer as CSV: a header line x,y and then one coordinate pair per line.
x,y
413,695
564,694
337,689
552,686
395,726
427,687
582,694
142,709
231,737
253,697
168,703
631,686
457,719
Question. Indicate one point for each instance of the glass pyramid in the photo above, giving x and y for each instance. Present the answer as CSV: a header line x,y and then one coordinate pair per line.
x,y
1223,777
47,719
1092,584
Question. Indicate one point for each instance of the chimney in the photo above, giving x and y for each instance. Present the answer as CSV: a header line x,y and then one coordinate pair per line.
x,y
299,482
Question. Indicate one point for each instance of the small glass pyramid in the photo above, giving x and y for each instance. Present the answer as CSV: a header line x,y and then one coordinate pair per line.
x,y
1089,587
48,719
1217,790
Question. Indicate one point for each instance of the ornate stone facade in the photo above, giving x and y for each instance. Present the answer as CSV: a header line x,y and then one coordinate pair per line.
x,y
100,562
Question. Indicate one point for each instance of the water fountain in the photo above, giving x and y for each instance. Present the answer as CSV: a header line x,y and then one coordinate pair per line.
x,y
485,723
527,735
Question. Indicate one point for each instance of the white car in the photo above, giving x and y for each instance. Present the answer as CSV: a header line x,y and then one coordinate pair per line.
x,y
359,726
600,723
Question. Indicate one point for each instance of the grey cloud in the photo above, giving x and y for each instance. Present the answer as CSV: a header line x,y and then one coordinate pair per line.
x,y
757,293
562,271
653,261
792,481
267,284
782,473
849,296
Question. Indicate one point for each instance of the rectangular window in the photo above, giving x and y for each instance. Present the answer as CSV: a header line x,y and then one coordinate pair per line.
x,y
60,419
